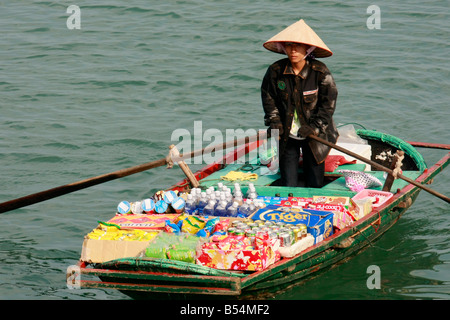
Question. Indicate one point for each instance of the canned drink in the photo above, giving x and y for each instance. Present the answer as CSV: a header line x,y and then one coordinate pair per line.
x,y
303,228
241,225
260,222
273,235
283,229
231,231
250,233
275,228
253,225
235,223
297,233
262,234
256,229
239,232
285,239
280,224
268,223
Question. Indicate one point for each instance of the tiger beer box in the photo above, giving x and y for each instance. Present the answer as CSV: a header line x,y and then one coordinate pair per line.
x,y
319,223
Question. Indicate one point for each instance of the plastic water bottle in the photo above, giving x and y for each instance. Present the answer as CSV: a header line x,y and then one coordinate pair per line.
x,y
237,188
202,202
233,210
251,192
229,199
251,208
208,210
221,209
212,197
191,206
239,198
244,209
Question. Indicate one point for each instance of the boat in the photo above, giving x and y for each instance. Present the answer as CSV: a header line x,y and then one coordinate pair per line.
x,y
155,278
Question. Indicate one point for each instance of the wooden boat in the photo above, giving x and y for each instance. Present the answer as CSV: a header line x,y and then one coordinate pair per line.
x,y
163,278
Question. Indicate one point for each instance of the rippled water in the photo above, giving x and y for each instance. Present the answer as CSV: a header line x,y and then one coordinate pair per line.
x,y
79,103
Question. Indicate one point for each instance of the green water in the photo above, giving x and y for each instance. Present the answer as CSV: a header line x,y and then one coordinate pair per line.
x,y
83,102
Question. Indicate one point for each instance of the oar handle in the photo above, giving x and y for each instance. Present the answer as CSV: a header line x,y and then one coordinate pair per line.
x,y
379,167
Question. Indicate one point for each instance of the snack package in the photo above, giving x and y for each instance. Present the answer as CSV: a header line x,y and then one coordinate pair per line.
x,y
192,224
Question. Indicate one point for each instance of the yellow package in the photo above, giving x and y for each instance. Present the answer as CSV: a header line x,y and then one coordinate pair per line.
x,y
192,225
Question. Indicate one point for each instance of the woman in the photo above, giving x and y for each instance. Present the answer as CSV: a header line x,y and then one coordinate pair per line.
x,y
299,98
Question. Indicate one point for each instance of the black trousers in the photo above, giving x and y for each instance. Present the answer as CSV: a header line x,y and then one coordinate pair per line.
x,y
289,164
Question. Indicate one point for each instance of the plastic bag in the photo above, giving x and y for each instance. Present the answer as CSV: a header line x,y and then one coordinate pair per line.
x,y
347,134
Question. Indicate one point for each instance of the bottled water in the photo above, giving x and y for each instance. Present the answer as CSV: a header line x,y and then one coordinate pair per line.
x,y
239,198
233,210
244,209
237,189
202,202
229,199
247,208
209,209
221,209
191,206
213,198
251,192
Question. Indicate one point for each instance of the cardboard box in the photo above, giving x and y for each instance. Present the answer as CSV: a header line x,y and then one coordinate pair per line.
x,y
319,223
108,242
98,251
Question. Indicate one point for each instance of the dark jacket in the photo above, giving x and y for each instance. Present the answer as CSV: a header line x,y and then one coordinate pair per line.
x,y
312,93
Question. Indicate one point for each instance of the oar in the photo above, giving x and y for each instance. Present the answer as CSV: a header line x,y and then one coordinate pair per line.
x,y
82,184
380,167
429,145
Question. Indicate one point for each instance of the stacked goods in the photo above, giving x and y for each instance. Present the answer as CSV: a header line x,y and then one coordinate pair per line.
x,y
199,226
107,231
238,253
221,201
222,228
108,242
160,202
181,247
340,206
286,239
319,223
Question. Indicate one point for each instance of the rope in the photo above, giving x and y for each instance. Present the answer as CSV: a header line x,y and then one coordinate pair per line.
x,y
398,166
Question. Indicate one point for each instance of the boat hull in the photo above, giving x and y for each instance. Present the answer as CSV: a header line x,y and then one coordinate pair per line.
x,y
166,279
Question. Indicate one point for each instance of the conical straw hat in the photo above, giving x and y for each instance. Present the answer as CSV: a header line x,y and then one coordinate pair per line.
x,y
298,32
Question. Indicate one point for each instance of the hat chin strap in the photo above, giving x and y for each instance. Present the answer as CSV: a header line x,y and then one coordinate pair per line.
x,y
308,52
280,47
